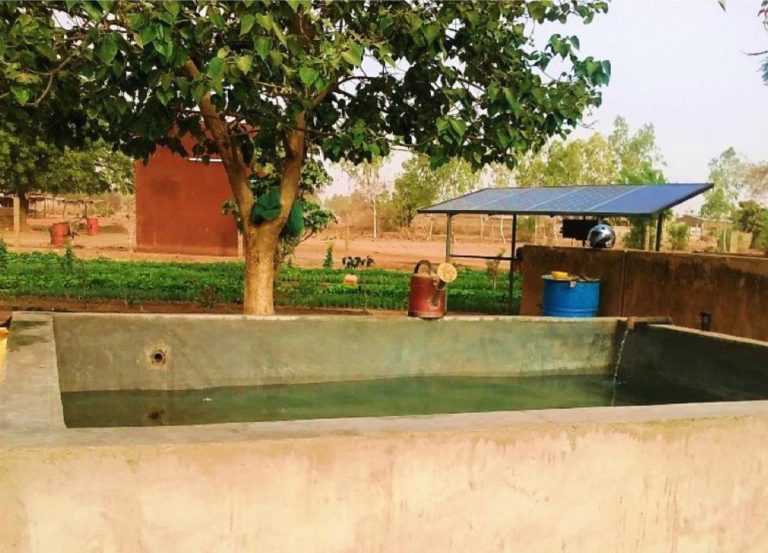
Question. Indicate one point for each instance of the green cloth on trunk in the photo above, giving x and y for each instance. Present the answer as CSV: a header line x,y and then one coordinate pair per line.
x,y
267,208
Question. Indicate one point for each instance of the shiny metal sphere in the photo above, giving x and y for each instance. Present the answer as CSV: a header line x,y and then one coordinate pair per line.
x,y
601,236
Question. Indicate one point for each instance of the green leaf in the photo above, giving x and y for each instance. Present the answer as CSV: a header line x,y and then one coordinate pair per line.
x,y
294,4
172,7
503,136
263,45
278,33
216,18
431,32
21,93
93,11
148,34
459,127
244,63
165,49
107,49
216,68
354,54
164,96
512,101
265,21
246,24
223,52
308,75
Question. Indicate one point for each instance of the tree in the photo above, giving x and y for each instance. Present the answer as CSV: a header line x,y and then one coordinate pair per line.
x,y
22,160
728,174
580,161
750,217
29,164
270,82
638,157
369,184
420,185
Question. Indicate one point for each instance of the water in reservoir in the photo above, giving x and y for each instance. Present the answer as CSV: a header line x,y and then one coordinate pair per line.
x,y
369,398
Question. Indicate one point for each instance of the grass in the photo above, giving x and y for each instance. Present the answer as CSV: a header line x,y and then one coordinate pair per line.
x,y
51,275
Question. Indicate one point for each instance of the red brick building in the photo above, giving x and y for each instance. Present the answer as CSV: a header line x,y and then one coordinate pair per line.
x,y
178,206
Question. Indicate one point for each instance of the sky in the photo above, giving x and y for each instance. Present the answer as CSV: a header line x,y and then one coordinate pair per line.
x,y
681,65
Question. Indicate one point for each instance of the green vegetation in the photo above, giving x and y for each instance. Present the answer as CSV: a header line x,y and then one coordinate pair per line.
x,y
52,275
679,234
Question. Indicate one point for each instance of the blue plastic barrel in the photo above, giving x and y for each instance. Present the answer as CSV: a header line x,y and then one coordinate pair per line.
x,y
564,298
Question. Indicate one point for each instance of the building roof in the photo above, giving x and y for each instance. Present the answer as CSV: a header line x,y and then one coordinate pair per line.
x,y
621,200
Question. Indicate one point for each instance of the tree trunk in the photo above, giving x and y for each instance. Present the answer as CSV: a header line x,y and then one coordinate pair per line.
x,y
259,279
375,230
23,211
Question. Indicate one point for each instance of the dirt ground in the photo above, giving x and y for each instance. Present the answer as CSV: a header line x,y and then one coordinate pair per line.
x,y
388,252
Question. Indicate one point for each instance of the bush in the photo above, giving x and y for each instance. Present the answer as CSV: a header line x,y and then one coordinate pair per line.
x,y
679,234
328,260
3,254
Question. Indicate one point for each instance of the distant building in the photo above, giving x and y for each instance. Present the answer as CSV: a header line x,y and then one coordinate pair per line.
x,y
178,205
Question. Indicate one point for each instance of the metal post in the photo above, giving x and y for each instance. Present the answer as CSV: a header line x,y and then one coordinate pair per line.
x,y
658,231
448,238
512,261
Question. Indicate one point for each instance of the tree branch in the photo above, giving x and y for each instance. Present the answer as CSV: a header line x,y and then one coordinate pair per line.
x,y
230,153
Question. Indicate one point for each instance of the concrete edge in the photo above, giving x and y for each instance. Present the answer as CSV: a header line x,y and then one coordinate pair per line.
x,y
29,393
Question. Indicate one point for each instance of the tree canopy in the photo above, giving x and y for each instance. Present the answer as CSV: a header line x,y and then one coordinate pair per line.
x,y
623,157
274,82
728,174
30,164
420,185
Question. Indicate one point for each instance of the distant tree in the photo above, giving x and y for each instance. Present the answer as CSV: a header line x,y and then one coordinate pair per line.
x,y
270,82
750,217
577,161
728,174
369,183
29,164
421,185
638,157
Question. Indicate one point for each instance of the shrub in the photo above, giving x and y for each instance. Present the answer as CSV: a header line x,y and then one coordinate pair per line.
x,y
328,261
679,234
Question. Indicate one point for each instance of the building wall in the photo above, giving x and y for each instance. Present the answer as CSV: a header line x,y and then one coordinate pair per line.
x,y
178,206
733,289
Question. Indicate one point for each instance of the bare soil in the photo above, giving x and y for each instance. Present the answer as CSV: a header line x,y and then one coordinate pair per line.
x,y
388,252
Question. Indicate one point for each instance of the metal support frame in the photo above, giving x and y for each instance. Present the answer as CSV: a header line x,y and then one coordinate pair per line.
x,y
448,238
512,261
659,226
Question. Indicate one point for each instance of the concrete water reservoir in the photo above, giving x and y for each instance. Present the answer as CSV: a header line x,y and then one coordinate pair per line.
x,y
131,473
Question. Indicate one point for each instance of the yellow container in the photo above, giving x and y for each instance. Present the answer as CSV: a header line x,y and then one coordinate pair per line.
x,y
560,275
3,342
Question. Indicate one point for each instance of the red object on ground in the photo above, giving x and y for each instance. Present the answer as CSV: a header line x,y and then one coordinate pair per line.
x,y
59,233
426,299
92,225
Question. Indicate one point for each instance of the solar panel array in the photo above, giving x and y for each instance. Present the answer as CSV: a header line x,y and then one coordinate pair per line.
x,y
610,199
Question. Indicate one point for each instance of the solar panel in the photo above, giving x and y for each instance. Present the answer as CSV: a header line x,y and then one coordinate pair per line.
x,y
609,199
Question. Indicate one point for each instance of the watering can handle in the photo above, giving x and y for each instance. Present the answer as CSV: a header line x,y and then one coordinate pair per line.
x,y
420,263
